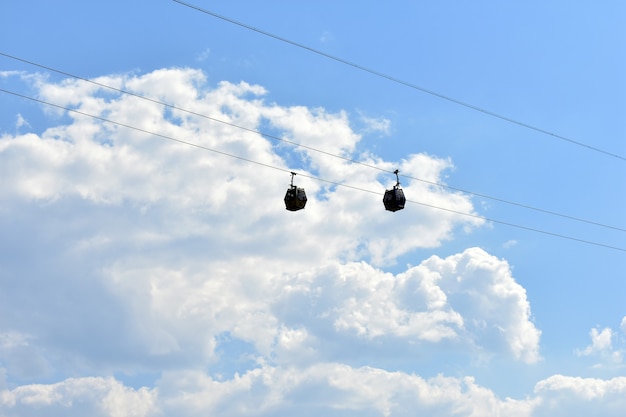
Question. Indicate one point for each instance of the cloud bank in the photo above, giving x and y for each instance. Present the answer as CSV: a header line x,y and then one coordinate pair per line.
x,y
129,257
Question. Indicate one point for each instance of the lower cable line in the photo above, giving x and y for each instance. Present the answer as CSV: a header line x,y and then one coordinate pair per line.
x,y
188,143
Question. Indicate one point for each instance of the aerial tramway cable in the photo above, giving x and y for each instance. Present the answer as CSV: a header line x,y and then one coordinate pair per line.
x,y
307,176
273,137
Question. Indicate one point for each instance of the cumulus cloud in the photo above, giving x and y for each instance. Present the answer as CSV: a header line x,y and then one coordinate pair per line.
x,y
126,253
561,395
467,299
337,390
600,341
110,164
602,347
331,389
79,396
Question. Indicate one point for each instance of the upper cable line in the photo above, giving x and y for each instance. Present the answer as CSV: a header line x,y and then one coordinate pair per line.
x,y
403,82
310,148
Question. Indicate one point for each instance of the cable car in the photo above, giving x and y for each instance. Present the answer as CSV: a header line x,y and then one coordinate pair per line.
x,y
394,199
295,199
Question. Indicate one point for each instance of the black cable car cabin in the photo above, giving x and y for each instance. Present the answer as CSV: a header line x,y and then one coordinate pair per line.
x,y
295,198
394,199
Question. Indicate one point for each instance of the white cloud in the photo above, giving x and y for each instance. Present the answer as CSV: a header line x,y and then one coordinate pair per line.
x,y
495,307
331,389
130,254
380,125
79,396
9,74
108,164
567,396
509,244
602,347
21,122
180,314
467,299
600,341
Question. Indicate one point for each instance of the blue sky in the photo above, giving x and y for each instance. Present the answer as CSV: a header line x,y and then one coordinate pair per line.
x,y
141,277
